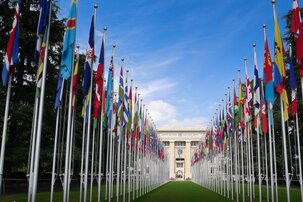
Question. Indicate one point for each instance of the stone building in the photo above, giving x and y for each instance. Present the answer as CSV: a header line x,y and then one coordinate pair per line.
x,y
180,143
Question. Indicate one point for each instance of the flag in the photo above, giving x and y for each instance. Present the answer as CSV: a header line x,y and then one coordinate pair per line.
x,y
75,81
40,66
248,96
99,81
121,98
130,104
235,110
293,85
297,30
42,24
229,116
109,88
89,59
267,74
125,105
241,105
256,88
69,42
279,67
12,49
264,123
59,92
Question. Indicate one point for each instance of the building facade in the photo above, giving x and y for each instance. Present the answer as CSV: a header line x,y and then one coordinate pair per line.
x,y
180,143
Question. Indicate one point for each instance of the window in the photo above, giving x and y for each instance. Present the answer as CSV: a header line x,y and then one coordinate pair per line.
x,y
166,143
194,143
179,143
179,165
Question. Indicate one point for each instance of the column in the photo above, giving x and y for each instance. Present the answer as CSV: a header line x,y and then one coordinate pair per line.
x,y
187,165
172,159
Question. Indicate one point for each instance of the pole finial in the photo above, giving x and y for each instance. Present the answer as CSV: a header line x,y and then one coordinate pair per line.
x,y
122,59
127,71
254,45
264,26
273,1
105,28
245,59
95,6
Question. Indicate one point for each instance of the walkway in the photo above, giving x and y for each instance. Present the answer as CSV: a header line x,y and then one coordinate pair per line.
x,y
181,191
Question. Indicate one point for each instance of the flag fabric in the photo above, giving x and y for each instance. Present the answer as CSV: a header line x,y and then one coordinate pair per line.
x,y
297,30
121,98
109,88
248,96
229,116
279,67
42,24
264,123
241,105
293,85
99,81
12,49
75,82
89,59
256,88
268,75
235,110
40,66
125,105
69,42
59,92
130,109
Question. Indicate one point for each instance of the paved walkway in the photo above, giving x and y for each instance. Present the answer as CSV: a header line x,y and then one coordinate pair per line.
x,y
181,191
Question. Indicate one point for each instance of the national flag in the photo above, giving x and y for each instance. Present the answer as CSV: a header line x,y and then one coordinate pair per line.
x,y
75,81
241,105
264,123
59,92
43,22
121,98
235,110
126,104
69,42
279,67
40,67
89,59
109,88
256,92
130,104
12,49
268,75
293,85
248,96
99,81
229,116
297,30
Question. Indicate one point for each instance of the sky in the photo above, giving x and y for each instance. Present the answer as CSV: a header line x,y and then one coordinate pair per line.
x,y
182,55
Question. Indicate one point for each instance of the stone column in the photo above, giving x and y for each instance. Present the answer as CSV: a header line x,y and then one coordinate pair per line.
x,y
172,173
187,165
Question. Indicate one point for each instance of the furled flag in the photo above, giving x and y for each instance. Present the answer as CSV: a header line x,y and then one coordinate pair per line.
x,y
279,67
241,104
59,92
235,110
130,109
109,88
99,81
69,42
264,123
229,116
126,104
293,85
11,55
297,30
121,98
89,59
256,91
248,96
267,74
42,24
75,81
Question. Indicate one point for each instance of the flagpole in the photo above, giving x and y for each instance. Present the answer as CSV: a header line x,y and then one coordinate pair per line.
x,y
40,115
82,156
231,153
4,131
299,156
130,147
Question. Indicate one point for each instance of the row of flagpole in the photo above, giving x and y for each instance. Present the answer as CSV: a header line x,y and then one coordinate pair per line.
x,y
221,156
134,156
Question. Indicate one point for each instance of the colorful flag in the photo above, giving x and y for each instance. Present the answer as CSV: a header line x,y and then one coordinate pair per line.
x,y
109,88
126,105
293,85
69,42
248,96
59,92
75,81
235,110
279,67
256,88
241,105
89,59
130,104
267,74
99,81
229,116
264,123
12,49
297,30
121,98
42,24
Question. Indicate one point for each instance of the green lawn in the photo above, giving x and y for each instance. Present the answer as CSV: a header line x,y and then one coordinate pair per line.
x,y
176,191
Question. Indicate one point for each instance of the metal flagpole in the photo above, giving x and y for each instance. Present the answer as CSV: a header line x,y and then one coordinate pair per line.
x,y
299,156
54,176
125,144
40,115
92,166
82,156
4,131
89,116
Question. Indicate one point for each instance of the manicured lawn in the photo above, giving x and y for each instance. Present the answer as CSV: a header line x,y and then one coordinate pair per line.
x,y
176,191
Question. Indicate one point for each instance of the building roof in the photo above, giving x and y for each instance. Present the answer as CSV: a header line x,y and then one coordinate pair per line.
x,y
181,128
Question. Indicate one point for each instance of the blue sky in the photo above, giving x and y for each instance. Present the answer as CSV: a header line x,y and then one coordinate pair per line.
x,y
181,54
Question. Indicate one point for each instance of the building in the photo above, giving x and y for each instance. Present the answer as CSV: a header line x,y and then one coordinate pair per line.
x,y
180,143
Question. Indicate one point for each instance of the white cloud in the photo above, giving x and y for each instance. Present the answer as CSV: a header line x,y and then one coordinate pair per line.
x,y
157,87
164,114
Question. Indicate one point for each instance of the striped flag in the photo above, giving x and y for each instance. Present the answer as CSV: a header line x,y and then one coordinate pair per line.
x,y
126,104
75,81
121,98
264,123
89,59
279,67
99,81
11,55
268,75
42,24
